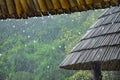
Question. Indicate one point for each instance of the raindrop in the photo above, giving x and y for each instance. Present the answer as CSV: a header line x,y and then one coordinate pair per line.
x,y
9,19
51,17
79,14
13,26
73,76
112,22
42,18
53,48
0,54
26,22
98,56
110,12
25,45
1,20
66,14
59,46
72,20
6,20
23,31
28,36
48,16
34,17
73,48
65,47
61,14
48,67
34,41
101,49
102,28
102,9
17,20
79,33
95,10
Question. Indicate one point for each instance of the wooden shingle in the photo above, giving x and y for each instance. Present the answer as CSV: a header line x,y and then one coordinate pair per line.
x,y
101,44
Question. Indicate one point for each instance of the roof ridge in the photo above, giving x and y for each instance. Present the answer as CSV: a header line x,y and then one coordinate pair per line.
x,y
105,46
110,11
117,32
110,19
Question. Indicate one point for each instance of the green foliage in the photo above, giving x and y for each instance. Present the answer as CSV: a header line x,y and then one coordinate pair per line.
x,y
81,75
23,76
33,49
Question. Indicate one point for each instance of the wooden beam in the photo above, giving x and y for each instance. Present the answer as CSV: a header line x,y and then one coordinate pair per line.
x,y
96,71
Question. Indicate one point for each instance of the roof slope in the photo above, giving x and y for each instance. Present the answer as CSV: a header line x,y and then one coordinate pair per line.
x,y
100,43
29,8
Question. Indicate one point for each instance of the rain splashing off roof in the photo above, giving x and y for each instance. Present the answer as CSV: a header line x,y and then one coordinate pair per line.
x,y
30,8
100,44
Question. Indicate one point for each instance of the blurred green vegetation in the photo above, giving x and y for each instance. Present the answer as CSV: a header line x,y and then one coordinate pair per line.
x,y
32,49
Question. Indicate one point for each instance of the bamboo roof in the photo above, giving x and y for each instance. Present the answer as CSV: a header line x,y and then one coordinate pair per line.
x,y
29,8
101,44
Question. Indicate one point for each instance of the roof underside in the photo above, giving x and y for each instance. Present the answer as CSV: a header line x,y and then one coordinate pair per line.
x,y
30,8
100,43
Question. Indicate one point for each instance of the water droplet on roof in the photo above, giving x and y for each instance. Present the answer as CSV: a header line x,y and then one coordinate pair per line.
x,y
98,56
102,28
101,49
112,22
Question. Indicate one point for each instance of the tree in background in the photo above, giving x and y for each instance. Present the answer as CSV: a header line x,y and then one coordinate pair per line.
x,y
33,49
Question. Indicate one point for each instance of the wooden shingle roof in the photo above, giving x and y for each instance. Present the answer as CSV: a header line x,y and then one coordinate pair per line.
x,y
29,8
101,43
